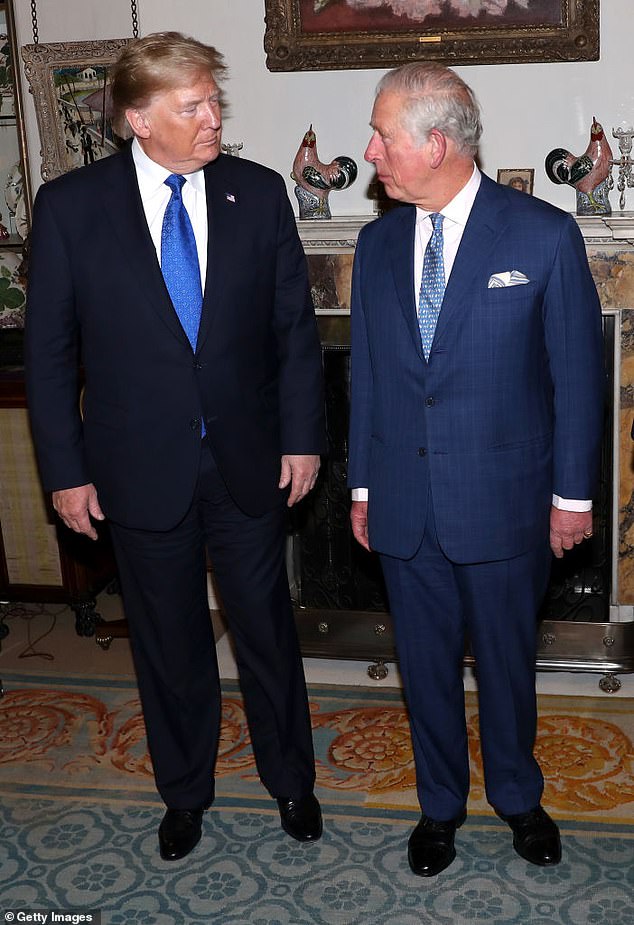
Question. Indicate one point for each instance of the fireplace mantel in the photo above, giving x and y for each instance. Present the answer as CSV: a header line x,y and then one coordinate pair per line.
x,y
332,236
338,235
617,228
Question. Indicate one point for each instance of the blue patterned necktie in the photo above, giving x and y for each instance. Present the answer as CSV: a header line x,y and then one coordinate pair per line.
x,y
179,261
432,287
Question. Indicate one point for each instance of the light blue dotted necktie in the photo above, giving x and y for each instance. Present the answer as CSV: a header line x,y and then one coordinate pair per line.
x,y
179,261
432,287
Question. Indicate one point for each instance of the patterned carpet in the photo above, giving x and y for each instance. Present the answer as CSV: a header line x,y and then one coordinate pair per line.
x,y
79,816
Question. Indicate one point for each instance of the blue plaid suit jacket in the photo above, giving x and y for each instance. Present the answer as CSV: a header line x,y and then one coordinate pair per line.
x,y
509,408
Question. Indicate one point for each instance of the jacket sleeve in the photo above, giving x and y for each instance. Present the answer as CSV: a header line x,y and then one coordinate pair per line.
x,y
361,380
52,351
301,393
574,342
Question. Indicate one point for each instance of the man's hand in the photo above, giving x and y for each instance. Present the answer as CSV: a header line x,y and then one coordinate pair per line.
x,y
568,528
76,506
359,520
300,472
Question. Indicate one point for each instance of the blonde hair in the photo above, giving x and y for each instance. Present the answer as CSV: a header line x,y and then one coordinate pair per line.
x,y
155,63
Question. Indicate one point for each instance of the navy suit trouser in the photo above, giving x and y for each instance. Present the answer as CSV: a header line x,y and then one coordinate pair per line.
x,y
164,585
435,604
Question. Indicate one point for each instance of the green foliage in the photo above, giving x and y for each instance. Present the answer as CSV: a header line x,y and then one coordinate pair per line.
x,y
10,297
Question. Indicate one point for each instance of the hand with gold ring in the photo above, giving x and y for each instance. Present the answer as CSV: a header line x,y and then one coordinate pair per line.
x,y
568,528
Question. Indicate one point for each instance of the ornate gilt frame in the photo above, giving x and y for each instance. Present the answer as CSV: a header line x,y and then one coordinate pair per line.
x,y
40,64
290,48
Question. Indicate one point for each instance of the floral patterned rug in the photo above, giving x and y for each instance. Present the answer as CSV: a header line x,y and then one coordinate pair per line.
x,y
79,815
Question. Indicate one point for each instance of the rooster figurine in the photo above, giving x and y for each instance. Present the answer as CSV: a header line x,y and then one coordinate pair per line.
x,y
587,173
315,180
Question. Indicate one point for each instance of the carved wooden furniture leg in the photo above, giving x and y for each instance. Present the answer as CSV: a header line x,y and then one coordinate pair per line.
x,y
86,616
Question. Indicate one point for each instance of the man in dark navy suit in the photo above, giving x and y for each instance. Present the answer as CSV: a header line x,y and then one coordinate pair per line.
x,y
177,275
476,421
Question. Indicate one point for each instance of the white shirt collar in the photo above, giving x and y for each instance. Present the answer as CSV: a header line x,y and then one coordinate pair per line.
x,y
459,208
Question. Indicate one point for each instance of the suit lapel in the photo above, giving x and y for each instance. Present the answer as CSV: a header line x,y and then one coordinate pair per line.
x,y
484,227
122,203
224,219
402,265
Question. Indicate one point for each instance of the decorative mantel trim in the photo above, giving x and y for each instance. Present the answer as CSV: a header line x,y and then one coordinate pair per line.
x,y
338,235
617,228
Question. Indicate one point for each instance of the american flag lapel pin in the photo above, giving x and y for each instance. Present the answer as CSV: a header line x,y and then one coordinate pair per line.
x,y
230,197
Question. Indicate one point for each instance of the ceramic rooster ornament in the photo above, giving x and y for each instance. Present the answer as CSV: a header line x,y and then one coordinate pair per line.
x,y
315,180
588,172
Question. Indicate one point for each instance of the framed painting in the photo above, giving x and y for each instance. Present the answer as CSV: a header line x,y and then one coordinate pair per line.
x,y
69,83
520,178
312,35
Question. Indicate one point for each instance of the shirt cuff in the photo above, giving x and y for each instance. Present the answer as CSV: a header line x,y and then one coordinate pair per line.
x,y
359,494
568,504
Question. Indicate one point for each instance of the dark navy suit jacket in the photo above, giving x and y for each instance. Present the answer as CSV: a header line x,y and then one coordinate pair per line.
x,y
509,408
95,285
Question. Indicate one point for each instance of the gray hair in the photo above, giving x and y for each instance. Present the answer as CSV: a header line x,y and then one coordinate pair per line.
x,y
436,98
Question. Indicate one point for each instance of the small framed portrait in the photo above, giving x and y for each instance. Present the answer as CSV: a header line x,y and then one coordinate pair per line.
x,y
520,178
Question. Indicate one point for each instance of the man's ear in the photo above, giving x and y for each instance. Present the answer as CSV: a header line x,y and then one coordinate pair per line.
x,y
438,144
138,122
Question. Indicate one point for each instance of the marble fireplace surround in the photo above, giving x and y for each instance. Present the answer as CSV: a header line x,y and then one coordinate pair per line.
x,y
609,240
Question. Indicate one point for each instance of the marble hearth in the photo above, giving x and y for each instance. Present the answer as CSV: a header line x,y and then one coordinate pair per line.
x,y
329,246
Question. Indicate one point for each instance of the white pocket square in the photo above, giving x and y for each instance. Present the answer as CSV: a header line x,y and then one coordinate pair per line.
x,y
507,278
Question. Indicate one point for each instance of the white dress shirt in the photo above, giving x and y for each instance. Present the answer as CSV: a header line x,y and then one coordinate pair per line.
x,y
155,195
456,214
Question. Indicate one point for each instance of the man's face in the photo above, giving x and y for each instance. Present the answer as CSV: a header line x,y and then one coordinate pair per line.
x,y
181,128
401,165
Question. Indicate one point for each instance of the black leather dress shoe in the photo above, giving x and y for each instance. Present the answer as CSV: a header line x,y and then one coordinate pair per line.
x,y
301,819
431,845
179,832
535,837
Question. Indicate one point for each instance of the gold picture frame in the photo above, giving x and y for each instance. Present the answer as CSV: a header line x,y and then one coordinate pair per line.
x,y
69,83
313,35
521,178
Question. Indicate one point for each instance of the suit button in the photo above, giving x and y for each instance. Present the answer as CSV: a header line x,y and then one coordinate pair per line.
x,y
194,423
422,451
197,365
430,402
